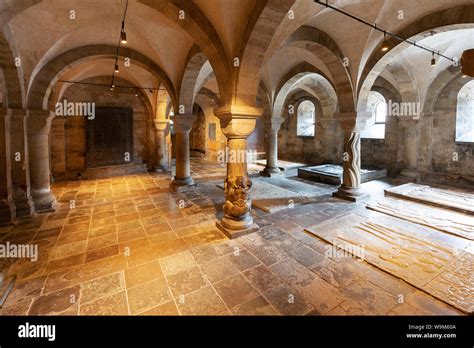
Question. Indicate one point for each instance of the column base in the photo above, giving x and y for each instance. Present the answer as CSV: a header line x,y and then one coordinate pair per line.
x,y
410,174
351,194
271,172
7,213
23,203
24,208
236,228
178,185
161,169
44,202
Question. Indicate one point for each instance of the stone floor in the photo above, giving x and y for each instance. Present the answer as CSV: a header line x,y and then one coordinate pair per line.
x,y
126,245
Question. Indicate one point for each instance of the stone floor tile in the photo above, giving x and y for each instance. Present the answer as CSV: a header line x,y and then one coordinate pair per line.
x,y
262,278
143,274
204,301
177,263
55,302
219,269
101,287
257,306
287,301
115,304
186,281
147,296
235,290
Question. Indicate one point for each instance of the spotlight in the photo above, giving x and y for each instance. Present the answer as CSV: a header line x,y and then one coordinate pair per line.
x,y
433,60
112,87
117,69
123,37
136,94
385,45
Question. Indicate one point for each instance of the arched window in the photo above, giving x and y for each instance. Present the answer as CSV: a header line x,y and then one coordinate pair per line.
x,y
377,105
306,119
465,114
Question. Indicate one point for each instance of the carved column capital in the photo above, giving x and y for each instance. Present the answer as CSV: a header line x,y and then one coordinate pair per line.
x,y
353,121
39,121
183,123
274,123
237,122
161,125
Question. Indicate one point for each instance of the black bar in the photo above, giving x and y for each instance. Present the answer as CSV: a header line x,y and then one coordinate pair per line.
x,y
289,331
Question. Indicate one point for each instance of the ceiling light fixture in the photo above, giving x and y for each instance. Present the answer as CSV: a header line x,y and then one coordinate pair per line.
x,y
373,26
123,35
117,69
385,46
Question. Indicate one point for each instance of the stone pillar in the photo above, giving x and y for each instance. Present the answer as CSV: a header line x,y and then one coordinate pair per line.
x,y
182,125
411,131
161,130
237,123
20,164
7,208
39,126
351,124
272,126
329,132
58,147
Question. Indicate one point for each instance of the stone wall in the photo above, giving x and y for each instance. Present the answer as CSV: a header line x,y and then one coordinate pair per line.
x,y
325,147
450,162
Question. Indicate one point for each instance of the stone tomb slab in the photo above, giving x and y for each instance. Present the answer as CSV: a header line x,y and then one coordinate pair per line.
x,y
457,200
332,173
405,251
440,219
271,198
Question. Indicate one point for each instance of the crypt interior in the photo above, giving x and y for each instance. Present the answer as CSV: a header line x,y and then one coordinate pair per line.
x,y
236,157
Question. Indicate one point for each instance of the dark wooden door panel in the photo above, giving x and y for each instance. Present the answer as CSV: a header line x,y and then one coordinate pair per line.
x,y
110,137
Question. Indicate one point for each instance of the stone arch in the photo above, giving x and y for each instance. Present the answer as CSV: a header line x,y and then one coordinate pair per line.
x,y
297,75
201,30
453,18
325,48
407,86
193,66
44,80
104,79
255,46
385,88
13,87
441,81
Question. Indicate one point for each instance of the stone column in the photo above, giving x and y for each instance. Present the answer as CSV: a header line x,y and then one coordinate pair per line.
x,y
39,126
237,123
411,131
351,124
329,131
272,126
58,147
20,164
161,130
7,208
182,125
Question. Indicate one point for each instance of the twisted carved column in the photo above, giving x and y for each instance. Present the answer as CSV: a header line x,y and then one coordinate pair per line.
x,y
39,126
182,125
351,124
237,124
